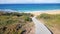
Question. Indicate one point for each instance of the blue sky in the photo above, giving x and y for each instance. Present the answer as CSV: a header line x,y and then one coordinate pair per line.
x,y
28,1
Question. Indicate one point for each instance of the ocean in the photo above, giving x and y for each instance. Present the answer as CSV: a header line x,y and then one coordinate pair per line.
x,y
30,7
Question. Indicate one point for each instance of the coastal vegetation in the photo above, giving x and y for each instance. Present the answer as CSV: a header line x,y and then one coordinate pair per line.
x,y
15,23
52,21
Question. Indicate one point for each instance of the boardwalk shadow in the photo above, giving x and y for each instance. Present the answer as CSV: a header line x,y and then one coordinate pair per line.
x,y
49,30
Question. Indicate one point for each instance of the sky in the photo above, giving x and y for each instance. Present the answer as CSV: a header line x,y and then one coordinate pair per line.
x,y
27,1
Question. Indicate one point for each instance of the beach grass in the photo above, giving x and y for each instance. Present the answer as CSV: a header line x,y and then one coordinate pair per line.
x,y
52,21
14,22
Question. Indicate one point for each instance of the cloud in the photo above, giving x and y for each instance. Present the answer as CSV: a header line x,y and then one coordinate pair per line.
x,y
28,1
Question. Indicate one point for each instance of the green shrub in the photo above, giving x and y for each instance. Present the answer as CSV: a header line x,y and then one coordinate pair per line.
x,y
11,19
46,16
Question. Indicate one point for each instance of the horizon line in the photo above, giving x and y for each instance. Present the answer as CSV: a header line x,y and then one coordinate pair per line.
x,y
31,3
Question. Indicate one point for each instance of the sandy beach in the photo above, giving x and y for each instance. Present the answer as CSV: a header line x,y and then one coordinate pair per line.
x,y
36,13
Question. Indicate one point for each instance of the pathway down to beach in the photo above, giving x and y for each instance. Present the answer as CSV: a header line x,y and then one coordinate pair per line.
x,y
39,27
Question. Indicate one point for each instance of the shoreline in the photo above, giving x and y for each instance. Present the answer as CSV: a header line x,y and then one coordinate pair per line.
x,y
36,13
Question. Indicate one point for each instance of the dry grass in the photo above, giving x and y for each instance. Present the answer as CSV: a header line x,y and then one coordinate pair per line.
x,y
51,21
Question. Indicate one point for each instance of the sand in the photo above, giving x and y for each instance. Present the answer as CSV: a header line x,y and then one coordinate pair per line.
x,y
36,13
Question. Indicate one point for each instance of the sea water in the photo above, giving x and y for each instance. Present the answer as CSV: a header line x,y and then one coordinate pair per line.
x,y
30,7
